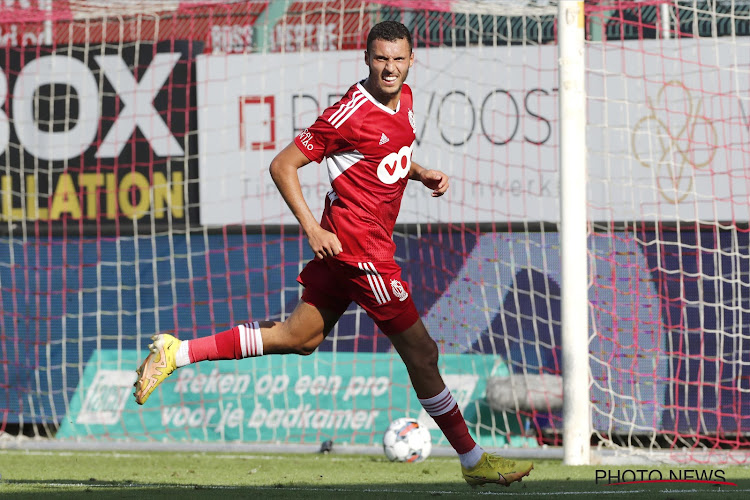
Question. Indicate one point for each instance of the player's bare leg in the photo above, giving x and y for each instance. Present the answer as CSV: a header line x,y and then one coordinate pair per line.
x,y
420,355
301,333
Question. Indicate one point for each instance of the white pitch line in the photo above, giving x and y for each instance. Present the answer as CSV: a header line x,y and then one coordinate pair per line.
x,y
394,490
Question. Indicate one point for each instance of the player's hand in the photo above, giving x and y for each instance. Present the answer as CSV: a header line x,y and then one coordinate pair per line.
x,y
323,243
435,180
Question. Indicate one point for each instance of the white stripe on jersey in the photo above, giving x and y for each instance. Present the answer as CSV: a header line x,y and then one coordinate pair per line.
x,y
343,109
376,282
344,112
359,105
338,163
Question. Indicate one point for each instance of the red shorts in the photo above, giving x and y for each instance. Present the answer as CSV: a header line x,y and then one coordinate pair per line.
x,y
376,287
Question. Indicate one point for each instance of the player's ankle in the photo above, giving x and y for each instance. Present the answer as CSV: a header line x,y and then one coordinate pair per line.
x,y
471,458
182,357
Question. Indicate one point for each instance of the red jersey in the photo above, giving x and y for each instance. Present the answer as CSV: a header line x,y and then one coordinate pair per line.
x,y
367,147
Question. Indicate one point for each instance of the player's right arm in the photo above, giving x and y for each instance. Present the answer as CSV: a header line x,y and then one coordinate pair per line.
x,y
284,174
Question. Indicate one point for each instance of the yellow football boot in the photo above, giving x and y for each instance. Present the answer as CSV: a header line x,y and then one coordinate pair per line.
x,y
157,366
496,469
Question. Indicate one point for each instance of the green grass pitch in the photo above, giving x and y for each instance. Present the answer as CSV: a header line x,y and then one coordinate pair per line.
x,y
190,475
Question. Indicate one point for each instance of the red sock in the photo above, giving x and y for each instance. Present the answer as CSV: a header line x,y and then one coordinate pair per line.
x,y
242,341
444,410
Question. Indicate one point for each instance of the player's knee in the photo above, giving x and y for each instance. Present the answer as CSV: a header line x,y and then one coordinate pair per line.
x,y
425,357
431,354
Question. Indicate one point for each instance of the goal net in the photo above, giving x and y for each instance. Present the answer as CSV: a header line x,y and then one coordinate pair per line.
x,y
668,130
135,199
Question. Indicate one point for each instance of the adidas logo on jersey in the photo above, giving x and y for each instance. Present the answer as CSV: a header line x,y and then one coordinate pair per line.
x,y
383,139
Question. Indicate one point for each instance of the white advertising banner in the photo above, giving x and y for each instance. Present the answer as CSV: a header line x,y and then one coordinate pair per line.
x,y
668,131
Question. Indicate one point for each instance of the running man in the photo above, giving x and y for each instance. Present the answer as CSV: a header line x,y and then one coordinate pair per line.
x,y
366,140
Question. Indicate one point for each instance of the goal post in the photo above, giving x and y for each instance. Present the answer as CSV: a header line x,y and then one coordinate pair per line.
x,y
135,199
573,235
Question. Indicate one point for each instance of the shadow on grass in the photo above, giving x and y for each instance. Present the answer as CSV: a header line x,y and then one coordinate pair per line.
x,y
529,489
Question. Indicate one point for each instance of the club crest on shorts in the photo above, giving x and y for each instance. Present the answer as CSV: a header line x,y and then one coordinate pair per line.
x,y
398,290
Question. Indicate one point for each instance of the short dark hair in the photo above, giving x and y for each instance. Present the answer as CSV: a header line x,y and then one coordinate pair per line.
x,y
390,31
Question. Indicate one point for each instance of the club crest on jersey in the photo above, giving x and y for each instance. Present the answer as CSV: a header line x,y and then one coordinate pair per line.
x,y
398,290
412,121
395,166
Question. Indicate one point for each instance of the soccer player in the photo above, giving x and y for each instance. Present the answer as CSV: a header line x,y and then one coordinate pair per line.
x,y
366,140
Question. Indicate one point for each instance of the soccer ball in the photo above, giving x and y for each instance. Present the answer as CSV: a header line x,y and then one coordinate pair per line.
x,y
406,440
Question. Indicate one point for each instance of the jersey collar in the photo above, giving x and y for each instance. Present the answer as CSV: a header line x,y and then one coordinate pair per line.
x,y
376,102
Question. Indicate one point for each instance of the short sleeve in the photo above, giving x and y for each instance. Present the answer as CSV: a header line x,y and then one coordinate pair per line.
x,y
321,139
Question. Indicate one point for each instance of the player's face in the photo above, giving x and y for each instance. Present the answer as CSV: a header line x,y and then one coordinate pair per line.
x,y
389,63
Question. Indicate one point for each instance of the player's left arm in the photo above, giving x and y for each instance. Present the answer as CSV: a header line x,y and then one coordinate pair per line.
x,y
433,179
